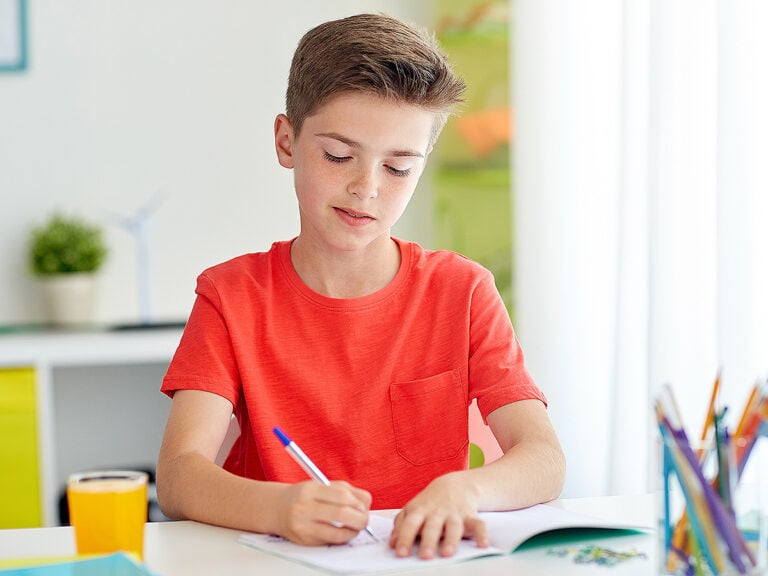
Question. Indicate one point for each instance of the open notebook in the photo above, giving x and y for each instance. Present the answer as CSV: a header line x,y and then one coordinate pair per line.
x,y
363,555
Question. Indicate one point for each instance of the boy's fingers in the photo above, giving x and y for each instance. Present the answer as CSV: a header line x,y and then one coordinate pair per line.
x,y
365,496
431,533
343,494
436,533
478,530
326,514
318,533
341,508
348,517
452,534
407,528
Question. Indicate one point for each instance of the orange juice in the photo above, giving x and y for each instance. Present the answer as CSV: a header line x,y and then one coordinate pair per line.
x,y
107,511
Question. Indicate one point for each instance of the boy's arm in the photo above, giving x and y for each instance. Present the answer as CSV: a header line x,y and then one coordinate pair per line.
x,y
191,486
531,471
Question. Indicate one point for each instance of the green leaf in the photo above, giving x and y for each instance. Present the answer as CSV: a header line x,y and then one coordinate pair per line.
x,y
66,245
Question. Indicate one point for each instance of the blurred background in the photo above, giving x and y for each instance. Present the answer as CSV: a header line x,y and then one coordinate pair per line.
x,y
609,168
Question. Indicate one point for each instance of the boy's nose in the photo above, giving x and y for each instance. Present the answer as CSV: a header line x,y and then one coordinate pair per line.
x,y
363,185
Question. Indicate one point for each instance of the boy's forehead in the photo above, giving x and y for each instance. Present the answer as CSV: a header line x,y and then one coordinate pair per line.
x,y
355,115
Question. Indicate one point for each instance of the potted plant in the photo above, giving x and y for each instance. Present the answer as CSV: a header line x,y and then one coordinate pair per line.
x,y
65,253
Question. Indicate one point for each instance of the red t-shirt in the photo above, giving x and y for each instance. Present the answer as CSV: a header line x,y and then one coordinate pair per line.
x,y
375,390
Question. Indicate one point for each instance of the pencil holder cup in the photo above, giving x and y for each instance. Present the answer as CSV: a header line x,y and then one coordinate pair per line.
x,y
712,506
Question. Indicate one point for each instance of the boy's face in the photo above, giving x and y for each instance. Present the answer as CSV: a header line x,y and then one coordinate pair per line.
x,y
356,164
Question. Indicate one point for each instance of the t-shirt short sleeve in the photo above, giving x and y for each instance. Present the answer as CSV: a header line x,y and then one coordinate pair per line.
x,y
497,371
204,359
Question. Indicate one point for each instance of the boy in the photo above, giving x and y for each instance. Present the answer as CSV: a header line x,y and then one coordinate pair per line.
x,y
364,348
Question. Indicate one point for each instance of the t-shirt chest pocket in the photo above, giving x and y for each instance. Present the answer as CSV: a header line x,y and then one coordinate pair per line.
x,y
430,418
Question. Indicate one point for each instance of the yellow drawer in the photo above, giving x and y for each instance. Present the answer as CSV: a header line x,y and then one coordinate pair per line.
x,y
17,390
19,467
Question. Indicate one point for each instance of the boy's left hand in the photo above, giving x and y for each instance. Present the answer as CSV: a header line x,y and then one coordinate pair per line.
x,y
440,515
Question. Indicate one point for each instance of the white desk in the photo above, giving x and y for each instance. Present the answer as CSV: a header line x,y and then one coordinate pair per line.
x,y
193,549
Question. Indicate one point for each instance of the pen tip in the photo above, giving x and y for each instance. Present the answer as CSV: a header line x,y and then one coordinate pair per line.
x,y
282,436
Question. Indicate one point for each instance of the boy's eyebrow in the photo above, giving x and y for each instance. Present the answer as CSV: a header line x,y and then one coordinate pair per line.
x,y
353,144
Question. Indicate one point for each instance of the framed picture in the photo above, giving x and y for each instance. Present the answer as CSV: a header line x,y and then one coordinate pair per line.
x,y
13,35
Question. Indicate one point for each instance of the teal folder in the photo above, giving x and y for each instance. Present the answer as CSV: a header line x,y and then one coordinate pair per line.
x,y
112,565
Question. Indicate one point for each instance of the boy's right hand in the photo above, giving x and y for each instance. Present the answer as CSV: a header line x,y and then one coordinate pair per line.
x,y
314,514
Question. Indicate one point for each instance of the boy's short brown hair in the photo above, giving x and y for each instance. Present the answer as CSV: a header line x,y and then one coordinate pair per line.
x,y
371,53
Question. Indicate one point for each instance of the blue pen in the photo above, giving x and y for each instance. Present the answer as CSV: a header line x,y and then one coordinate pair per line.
x,y
307,464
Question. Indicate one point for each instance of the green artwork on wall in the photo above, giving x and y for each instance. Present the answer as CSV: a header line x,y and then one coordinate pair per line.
x,y
473,208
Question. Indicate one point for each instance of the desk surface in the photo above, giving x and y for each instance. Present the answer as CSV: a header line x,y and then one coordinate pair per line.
x,y
194,549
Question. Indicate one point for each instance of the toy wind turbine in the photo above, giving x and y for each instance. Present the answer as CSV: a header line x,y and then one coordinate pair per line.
x,y
138,226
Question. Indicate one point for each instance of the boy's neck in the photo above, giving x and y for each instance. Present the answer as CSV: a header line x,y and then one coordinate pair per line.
x,y
346,274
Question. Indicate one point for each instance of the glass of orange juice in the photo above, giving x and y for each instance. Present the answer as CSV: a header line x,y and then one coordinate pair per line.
x,y
108,509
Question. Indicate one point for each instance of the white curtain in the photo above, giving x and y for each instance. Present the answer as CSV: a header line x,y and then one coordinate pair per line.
x,y
641,217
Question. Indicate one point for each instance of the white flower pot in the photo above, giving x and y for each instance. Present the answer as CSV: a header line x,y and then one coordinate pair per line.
x,y
69,298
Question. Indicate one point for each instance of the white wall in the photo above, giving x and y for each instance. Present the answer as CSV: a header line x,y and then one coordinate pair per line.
x,y
125,99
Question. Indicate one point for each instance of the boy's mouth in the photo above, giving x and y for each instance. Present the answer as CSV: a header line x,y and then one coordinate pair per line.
x,y
353,215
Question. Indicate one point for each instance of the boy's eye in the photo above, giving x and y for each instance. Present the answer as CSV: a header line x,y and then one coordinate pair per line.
x,y
333,158
391,169
399,173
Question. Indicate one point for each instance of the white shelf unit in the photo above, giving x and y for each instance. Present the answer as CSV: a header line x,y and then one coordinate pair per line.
x,y
97,398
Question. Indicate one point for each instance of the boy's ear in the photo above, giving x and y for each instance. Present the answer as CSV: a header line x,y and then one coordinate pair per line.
x,y
284,141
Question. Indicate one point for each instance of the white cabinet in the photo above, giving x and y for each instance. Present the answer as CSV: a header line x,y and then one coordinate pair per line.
x,y
97,400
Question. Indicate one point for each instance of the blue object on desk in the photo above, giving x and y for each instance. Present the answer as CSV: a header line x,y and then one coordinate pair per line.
x,y
111,565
